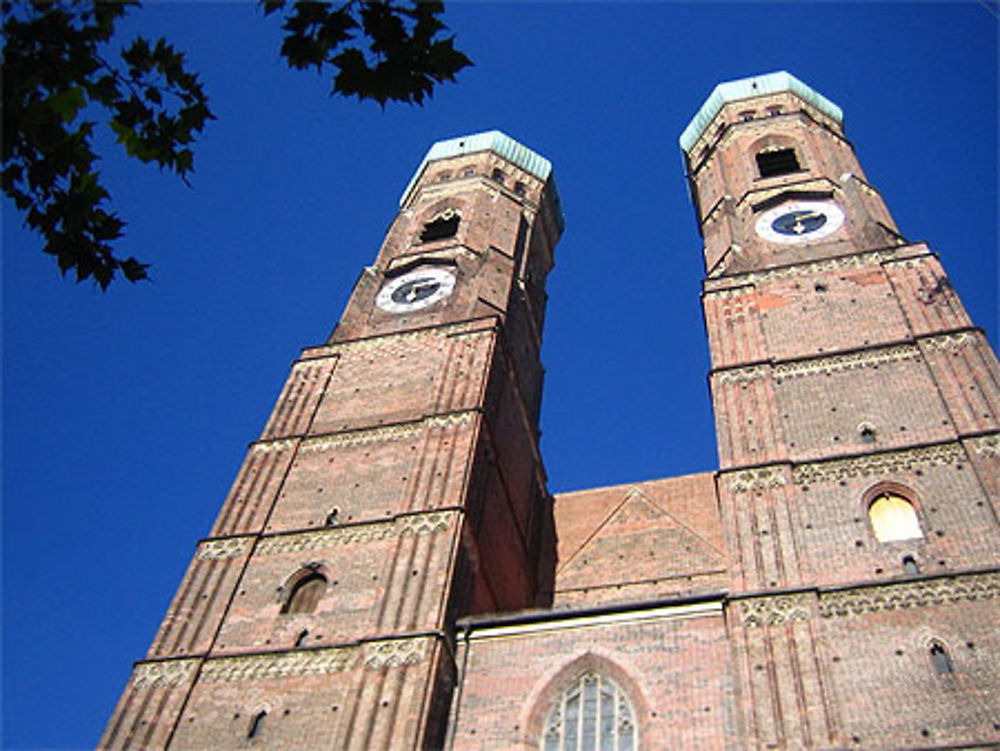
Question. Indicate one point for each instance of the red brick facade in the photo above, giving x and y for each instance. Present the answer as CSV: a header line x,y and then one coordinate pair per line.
x,y
762,606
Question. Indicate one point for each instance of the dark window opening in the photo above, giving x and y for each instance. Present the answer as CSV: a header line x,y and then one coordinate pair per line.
x,y
303,635
520,188
940,660
440,228
777,162
305,595
497,175
867,432
256,724
331,518
909,565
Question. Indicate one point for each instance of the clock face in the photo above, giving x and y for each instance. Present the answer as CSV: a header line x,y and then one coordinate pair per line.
x,y
415,290
800,221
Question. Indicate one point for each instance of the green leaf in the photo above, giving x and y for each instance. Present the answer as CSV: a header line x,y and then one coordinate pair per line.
x,y
67,103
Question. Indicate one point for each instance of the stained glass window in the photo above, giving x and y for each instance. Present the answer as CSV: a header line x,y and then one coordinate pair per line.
x,y
593,714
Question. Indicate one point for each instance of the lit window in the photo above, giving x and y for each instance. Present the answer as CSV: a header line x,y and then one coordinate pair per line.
x,y
442,226
894,518
593,714
305,595
773,161
940,660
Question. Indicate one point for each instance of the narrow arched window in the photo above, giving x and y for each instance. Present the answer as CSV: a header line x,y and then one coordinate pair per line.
x,y
256,724
910,565
940,660
773,161
893,518
440,227
592,714
305,594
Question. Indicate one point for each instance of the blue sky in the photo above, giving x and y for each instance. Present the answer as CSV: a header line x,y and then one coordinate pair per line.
x,y
126,414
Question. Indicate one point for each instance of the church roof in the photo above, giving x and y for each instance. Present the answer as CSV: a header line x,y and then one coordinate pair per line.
x,y
744,88
497,142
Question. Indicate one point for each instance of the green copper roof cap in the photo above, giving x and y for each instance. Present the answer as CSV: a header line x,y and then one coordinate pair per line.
x,y
744,88
500,144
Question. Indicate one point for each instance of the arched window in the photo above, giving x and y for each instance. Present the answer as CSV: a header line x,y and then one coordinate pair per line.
x,y
443,225
893,518
593,714
774,160
305,594
940,660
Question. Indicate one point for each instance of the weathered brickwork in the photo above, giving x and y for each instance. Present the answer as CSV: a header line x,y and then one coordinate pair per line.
x,y
633,543
390,572
672,667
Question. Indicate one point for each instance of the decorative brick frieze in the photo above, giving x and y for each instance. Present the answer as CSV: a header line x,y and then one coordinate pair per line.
x,y
743,375
750,480
391,342
386,432
987,445
149,675
360,437
909,595
851,361
950,341
280,664
776,610
229,547
358,533
852,261
878,464
275,444
395,653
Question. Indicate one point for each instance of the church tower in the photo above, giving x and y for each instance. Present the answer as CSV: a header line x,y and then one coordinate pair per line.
x,y
396,487
389,572
856,410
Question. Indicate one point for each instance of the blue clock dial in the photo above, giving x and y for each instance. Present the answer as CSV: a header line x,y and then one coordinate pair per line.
x,y
799,222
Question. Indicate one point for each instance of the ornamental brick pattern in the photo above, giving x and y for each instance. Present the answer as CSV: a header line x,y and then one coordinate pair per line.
x,y
757,607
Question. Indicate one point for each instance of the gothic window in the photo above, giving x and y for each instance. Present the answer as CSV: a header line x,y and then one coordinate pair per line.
x,y
440,227
593,714
256,724
893,518
940,660
773,161
305,594
910,565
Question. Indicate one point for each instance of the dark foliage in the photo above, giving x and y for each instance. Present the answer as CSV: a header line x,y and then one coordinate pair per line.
x,y
60,80
379,49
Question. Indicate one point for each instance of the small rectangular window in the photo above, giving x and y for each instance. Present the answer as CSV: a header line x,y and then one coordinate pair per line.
x,y
777,162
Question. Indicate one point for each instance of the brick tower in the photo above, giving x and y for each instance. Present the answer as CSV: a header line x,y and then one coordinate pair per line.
x,y
856,412
389,571
396,486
